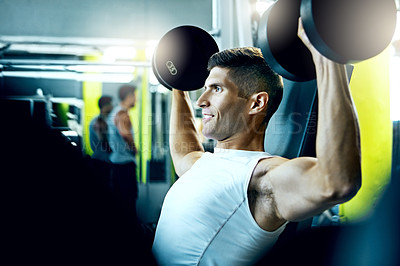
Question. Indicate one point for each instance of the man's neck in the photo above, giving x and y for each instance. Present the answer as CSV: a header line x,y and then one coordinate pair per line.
x,y
124,106
253,142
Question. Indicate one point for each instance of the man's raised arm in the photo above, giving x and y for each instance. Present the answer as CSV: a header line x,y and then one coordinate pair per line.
x,y
184,139
305,186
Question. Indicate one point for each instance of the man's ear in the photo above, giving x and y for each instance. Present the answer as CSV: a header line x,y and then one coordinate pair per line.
x,y
259,102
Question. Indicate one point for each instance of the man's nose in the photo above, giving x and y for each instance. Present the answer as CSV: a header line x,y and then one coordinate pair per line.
x,y
202,101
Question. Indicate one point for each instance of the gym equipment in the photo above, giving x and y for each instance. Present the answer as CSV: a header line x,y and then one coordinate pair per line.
x,y
181,57
345,31
279,44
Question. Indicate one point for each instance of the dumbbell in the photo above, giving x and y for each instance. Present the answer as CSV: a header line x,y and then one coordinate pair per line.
x,y
345,31
181,56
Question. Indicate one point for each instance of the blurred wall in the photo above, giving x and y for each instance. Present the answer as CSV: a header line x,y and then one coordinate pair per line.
x,y
127,19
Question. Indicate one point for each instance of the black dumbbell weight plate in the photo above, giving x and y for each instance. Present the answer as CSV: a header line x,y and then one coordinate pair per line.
x,y
281,47
181,57
348,31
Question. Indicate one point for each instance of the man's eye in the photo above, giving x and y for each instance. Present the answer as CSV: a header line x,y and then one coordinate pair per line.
x,y
218,89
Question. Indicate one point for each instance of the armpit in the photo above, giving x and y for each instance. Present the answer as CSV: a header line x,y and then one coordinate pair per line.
x,y
261,197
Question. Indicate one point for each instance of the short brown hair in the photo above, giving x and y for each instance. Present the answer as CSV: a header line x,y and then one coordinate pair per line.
x,y
104,100
125,90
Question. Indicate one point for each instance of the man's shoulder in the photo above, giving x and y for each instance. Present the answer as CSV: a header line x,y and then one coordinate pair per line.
x,y
121,114
267,164
93,121
118,116
273,160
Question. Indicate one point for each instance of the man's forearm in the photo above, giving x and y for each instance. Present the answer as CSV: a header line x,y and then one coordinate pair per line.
x,y
338,140
184,137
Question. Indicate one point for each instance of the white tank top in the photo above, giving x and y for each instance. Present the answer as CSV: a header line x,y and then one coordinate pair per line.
x,y
206,219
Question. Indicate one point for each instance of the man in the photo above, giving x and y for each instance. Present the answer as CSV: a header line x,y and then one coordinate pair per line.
x,y
98,130
229,207
124,150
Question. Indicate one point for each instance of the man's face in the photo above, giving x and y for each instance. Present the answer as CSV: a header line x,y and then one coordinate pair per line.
x,y
132,99
107,109
224,113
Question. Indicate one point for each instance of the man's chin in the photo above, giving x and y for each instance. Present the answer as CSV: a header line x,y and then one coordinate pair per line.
x,y
208,135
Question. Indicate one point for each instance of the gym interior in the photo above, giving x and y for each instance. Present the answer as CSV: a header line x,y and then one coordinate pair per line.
x,y
58,57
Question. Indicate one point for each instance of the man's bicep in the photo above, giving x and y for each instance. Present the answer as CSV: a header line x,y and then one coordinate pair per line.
x,y
298,189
